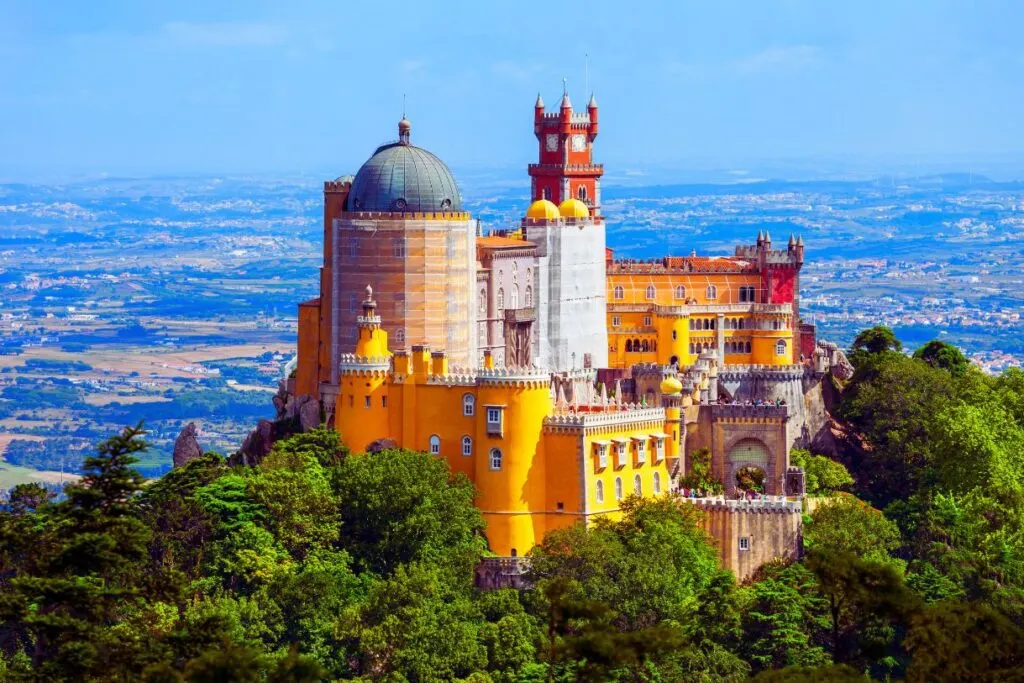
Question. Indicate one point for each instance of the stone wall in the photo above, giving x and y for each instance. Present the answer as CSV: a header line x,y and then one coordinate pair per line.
x,y
772,529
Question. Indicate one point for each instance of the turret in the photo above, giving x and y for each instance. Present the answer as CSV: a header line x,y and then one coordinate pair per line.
x,y
372,341
565,111
538,115
672,400
799,248
592,111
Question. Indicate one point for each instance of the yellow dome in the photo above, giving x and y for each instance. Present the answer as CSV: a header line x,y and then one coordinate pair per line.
x,y
543,209
573,208
671,386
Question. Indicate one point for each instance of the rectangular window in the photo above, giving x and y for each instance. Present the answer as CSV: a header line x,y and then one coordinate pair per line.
x,y
366,401
659,450
647,321
744,542
383,401
602,455
616,321
620,455
494,416
641,452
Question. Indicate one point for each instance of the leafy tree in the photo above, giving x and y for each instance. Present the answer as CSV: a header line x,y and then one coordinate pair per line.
x,y
955,641
699,477
783,617
876,340
939,354
831,673
63,611
848,525
821,475
400,507
28,498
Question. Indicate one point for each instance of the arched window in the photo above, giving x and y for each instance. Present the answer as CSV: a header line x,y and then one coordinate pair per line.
x,y
618,488
435,445
712,292
747,345
496,459
529,296
581,193
482,304
645,346
468,405
707,323
515,296
467,446
501,300
400,336
657,484
691,349
629,346
650,292
638,487
636,345
780,347
599,492
680,292
618,292
654,345
546,193
742,324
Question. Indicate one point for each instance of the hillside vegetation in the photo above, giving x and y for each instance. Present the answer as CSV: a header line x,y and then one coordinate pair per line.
x,y
320,565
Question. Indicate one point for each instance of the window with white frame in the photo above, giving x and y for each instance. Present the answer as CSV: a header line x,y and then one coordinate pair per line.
x,y
647,321
467,446
515,296
468,405
618,292
599,491
481,306
638,486
657,484
398,249
641,450
659,449
711,292
494,420
680,292
780,347
435,445
501,300
602,455
495,459
529,296
650,292
618,488
616,321
620,454
744,542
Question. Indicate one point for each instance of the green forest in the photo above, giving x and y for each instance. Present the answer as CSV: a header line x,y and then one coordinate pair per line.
x,y
318,565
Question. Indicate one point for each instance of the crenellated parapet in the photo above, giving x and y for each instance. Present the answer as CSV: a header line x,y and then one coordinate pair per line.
x,y
632,415
738,372
749,412
523,377
766,505
349,363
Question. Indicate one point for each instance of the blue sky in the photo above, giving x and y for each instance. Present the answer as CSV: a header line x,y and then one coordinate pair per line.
x,y
111,86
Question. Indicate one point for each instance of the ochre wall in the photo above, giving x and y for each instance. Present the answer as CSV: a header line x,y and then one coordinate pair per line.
x,y
771,533
307,372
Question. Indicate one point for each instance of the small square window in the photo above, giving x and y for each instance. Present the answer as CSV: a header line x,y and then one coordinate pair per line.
x,y
744,542
560,505
616,321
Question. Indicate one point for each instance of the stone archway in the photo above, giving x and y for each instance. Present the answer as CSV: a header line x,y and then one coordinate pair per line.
x,y
747,452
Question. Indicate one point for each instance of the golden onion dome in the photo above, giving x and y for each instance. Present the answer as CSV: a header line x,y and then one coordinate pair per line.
x,y
573,208
544,210
671,386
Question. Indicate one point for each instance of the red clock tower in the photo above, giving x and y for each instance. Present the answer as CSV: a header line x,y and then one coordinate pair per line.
x,y
565,167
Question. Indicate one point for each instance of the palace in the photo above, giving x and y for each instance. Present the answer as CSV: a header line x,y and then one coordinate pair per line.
x,y
557,378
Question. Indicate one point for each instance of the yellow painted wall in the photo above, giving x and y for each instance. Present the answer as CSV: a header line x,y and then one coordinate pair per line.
x,y
634,286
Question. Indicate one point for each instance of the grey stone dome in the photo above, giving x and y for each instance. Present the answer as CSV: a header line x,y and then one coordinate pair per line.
x,y
401,177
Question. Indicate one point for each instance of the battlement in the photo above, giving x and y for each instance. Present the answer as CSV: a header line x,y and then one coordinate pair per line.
x,y
770,505
569,169
618,416
704,309
682,265
350,362
752,411
773,372
786,257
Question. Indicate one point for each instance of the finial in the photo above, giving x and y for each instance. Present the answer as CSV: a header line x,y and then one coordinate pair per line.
x,y
369,293
404,127
565,86
540,102
566,104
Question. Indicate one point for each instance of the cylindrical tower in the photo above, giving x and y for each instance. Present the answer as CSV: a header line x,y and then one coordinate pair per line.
x,y
510,475
361,407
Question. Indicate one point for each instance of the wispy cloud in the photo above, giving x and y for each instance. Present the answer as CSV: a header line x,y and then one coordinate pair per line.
x,y
411,67
778,58
514,71
227,34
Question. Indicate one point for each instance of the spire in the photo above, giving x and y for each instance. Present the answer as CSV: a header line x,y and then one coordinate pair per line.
x,y
540,102
792,240
566,104
592,104
760,237
767,237
800,241
403,130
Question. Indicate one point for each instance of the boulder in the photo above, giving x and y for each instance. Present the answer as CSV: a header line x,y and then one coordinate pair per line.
x,y
256,446
186,446
308,411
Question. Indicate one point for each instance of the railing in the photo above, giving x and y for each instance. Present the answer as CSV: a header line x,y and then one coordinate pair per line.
x,y
599,168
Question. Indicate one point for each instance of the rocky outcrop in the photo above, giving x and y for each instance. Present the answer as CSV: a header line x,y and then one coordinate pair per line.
x,y
186,446
839,365
257,445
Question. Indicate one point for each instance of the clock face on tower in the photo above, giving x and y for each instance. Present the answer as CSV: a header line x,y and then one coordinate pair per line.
x,y
579,143
551,142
